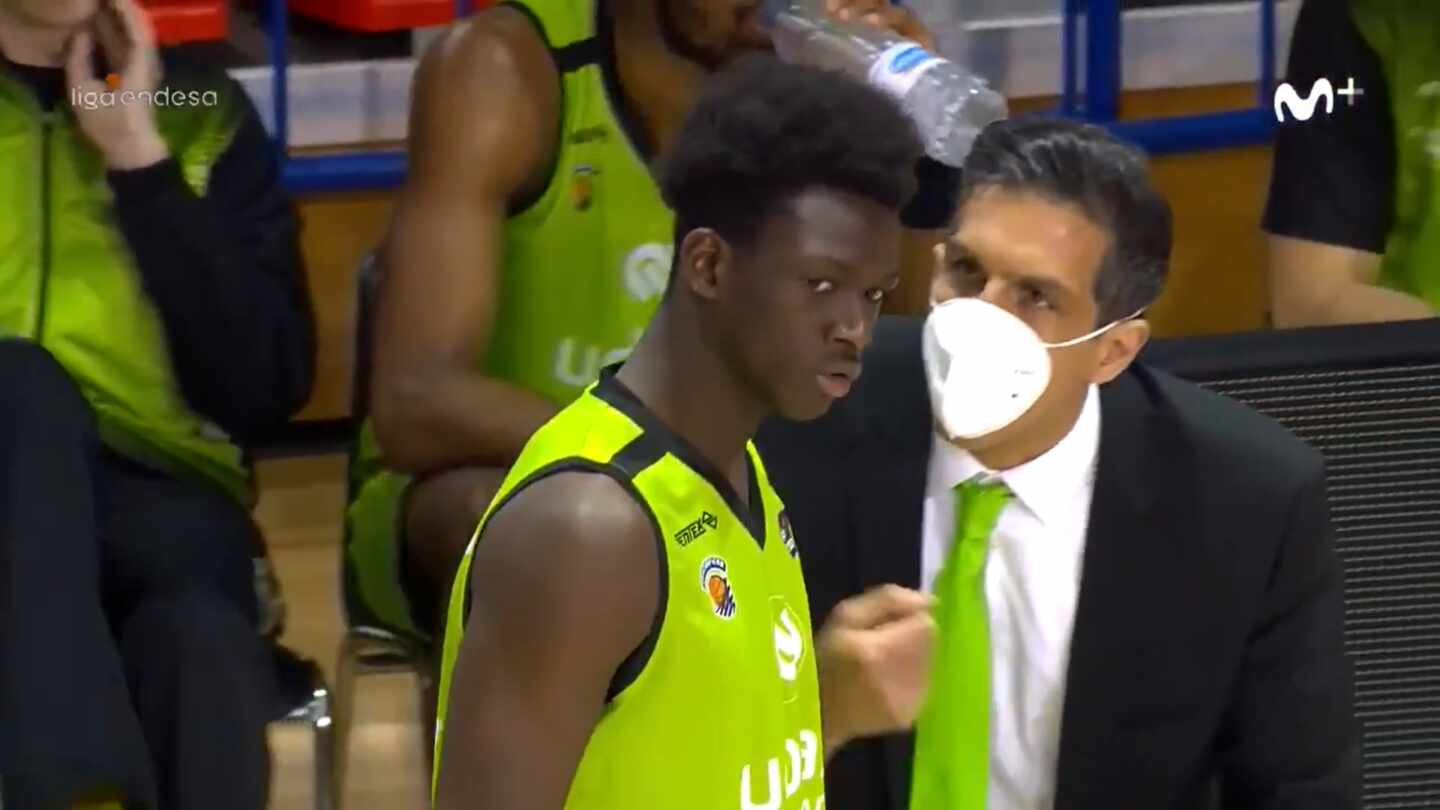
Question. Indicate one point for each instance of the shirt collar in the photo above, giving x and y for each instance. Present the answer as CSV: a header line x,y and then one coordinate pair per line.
x,y
1045,484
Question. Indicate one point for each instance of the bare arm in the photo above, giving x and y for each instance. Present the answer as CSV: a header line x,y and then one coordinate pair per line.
x,y
1332,187
565,586
484,121
1315,284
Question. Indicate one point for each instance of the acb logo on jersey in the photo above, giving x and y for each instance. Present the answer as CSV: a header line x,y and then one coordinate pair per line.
x,y
715,581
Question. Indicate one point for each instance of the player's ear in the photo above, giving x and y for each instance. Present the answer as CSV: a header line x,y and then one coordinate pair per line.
x,y
704,260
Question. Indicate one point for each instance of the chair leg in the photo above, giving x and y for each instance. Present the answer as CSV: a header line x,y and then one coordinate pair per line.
x,y
423,685
344,697
322,721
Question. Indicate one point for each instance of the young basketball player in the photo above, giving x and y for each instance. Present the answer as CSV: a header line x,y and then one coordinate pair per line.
x,y
630,626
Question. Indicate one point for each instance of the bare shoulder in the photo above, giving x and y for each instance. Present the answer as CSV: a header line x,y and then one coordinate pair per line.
x,y
584,508
495,47
560,536
488,88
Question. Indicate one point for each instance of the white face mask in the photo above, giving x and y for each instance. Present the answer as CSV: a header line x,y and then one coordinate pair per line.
x,y
985,367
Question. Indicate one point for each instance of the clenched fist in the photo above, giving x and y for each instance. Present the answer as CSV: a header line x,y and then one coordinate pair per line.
x,y
873,656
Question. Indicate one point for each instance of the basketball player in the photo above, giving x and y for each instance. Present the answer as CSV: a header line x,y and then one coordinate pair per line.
x,y
530,247
630,627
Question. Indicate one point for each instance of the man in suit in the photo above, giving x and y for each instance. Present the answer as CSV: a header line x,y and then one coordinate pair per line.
x,y
1140,604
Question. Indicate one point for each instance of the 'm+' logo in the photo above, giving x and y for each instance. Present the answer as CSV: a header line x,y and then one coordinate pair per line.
x,y
1303,109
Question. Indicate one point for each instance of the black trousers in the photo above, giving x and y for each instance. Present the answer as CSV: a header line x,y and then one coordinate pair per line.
x,y
130,662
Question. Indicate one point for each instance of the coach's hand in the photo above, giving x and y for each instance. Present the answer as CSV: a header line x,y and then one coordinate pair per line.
x,y
873,656
884,15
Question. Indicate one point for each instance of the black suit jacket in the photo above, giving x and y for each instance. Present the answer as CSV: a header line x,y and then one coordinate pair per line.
x,y
1207,661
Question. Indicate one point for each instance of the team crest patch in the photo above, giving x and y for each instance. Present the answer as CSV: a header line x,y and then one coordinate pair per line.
x,y
715,582
787,535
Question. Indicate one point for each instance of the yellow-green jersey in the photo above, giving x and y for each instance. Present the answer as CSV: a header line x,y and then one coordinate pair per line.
x,y
584,267
1406,39
720,707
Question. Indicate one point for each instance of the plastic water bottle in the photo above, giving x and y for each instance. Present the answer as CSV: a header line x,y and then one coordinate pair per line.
x,y
948,104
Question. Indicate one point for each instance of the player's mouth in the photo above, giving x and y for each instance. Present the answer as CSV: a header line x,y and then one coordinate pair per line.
x,y
837,380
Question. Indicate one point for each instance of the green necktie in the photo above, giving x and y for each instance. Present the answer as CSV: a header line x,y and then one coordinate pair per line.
x,y
952,735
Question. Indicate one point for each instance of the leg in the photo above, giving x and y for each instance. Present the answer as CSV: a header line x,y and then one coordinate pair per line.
x,y
198,666
441,513
66,724
181,593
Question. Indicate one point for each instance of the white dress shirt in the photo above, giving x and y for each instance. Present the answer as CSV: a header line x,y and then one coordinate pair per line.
x,y
1032,582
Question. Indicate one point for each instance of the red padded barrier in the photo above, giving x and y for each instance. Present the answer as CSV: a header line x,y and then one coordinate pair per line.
x,y
377,15
177,21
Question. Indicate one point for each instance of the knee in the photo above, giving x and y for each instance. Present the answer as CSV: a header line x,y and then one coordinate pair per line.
x,y
31,362
191,631
484,486
443,510
43,386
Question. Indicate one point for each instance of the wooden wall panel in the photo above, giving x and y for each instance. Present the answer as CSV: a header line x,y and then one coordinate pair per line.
x,y
339,230
1216,279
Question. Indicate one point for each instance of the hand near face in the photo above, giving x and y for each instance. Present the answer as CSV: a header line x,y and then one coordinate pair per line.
x,y
123,130
874,659
882,14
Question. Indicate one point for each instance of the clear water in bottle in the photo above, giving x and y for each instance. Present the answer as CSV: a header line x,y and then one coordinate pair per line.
x,y
948,104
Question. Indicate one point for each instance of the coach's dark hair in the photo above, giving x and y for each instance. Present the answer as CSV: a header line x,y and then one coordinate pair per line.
x,y
1081,164
764,130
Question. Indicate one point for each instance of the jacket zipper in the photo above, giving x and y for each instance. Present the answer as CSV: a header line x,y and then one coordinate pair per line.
x,y
47,122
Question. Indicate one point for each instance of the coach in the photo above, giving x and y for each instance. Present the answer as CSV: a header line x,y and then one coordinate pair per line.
x,y
1139,601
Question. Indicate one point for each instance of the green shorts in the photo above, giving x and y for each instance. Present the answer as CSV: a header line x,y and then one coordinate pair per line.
x,y
374,573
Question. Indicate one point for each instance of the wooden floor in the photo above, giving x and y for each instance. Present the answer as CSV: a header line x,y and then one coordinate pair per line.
x,y
300,509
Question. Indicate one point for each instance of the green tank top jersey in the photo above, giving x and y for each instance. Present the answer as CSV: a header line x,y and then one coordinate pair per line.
x,y
720,707
1406,36
584,266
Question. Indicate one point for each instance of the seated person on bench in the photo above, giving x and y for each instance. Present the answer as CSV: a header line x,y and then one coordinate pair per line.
x,y
153,316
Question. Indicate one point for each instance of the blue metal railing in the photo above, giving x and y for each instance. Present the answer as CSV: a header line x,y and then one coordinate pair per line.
x,y
1069,80
1104,68
323,173
1098,101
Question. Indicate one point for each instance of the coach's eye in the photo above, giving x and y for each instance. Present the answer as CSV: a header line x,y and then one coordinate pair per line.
x,y
877,294
821,285
1034,297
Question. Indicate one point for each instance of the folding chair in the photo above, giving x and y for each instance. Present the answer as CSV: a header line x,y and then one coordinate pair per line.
x,y
369,647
